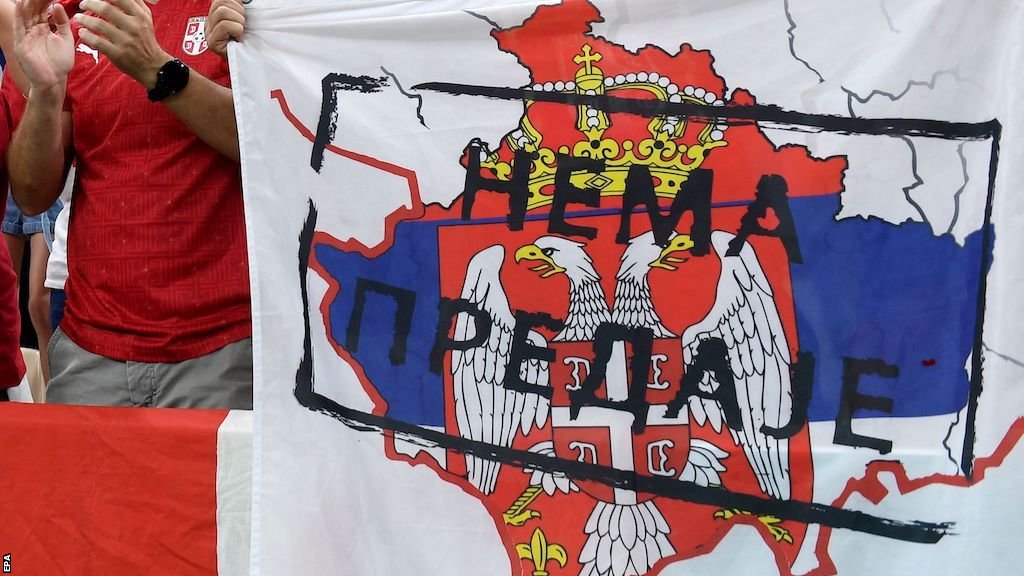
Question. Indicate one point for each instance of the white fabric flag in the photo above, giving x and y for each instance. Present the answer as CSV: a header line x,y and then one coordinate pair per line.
x,y
653,287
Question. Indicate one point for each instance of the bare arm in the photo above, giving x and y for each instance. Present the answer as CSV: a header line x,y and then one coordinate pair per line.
x,y
38,155
225,21
122,30
208,109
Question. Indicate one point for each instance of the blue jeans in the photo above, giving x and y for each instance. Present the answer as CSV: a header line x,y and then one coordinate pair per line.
x,y
17,224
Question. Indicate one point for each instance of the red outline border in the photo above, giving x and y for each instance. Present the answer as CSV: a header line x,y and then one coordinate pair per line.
x,y
871,487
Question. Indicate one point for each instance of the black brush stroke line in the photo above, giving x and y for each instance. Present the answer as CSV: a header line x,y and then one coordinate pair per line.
x,y
956,195
967,458
919,127
876,126
417,97
305,371
304,374
792,42
328,124
977,359
802,512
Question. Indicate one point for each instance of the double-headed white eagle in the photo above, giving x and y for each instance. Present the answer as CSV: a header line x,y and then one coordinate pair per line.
x,y
485,410
630,538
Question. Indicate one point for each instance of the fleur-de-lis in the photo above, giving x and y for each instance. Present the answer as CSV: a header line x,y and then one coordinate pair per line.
x,y
540,553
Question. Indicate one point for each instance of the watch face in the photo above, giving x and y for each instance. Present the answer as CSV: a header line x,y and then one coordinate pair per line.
x,y
170,79
173,77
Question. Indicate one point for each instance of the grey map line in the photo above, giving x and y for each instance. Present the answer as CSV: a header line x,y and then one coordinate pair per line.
x,y
949,434
417,97
849,100
850,97
930,84
917,179
792,41
1002,356
888,17
952,426
956,195
945,441
484,18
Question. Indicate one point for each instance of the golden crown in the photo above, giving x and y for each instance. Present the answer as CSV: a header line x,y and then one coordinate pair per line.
x,y
669,160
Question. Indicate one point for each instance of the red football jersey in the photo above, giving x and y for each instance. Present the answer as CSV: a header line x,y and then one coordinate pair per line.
x,y
12,366
158,267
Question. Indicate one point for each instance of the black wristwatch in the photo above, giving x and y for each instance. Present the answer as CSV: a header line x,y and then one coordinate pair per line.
x,y
170,79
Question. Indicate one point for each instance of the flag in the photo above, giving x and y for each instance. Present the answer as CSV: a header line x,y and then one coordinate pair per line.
x,y
125,491
585,288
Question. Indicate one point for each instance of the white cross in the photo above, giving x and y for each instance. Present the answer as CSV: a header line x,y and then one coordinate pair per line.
x,y
618,422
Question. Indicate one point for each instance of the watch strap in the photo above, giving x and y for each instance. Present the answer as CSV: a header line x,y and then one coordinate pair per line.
x,y
172,78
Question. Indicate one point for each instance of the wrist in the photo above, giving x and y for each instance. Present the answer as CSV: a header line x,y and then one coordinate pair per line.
x,y
172,78
148,75
52,94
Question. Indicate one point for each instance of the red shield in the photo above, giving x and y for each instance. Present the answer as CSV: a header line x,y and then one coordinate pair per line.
x,y
610,437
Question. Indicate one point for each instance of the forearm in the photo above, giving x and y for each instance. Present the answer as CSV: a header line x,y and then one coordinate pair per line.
x,y
37,158
208,110
123,31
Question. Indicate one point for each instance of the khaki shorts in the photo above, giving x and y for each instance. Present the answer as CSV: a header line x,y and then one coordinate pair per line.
x,y
220,379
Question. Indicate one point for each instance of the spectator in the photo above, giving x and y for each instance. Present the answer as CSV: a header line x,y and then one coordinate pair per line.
x,y
158,287
57,265
12,367
36,233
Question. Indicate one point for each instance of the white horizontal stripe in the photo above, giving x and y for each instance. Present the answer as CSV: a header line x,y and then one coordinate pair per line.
x,y
234,493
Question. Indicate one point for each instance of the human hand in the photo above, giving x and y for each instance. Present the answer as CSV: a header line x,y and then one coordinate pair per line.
x,y
225,22
46,56
122,30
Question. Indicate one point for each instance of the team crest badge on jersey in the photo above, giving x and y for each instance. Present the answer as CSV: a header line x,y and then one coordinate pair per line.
x,y
194,42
